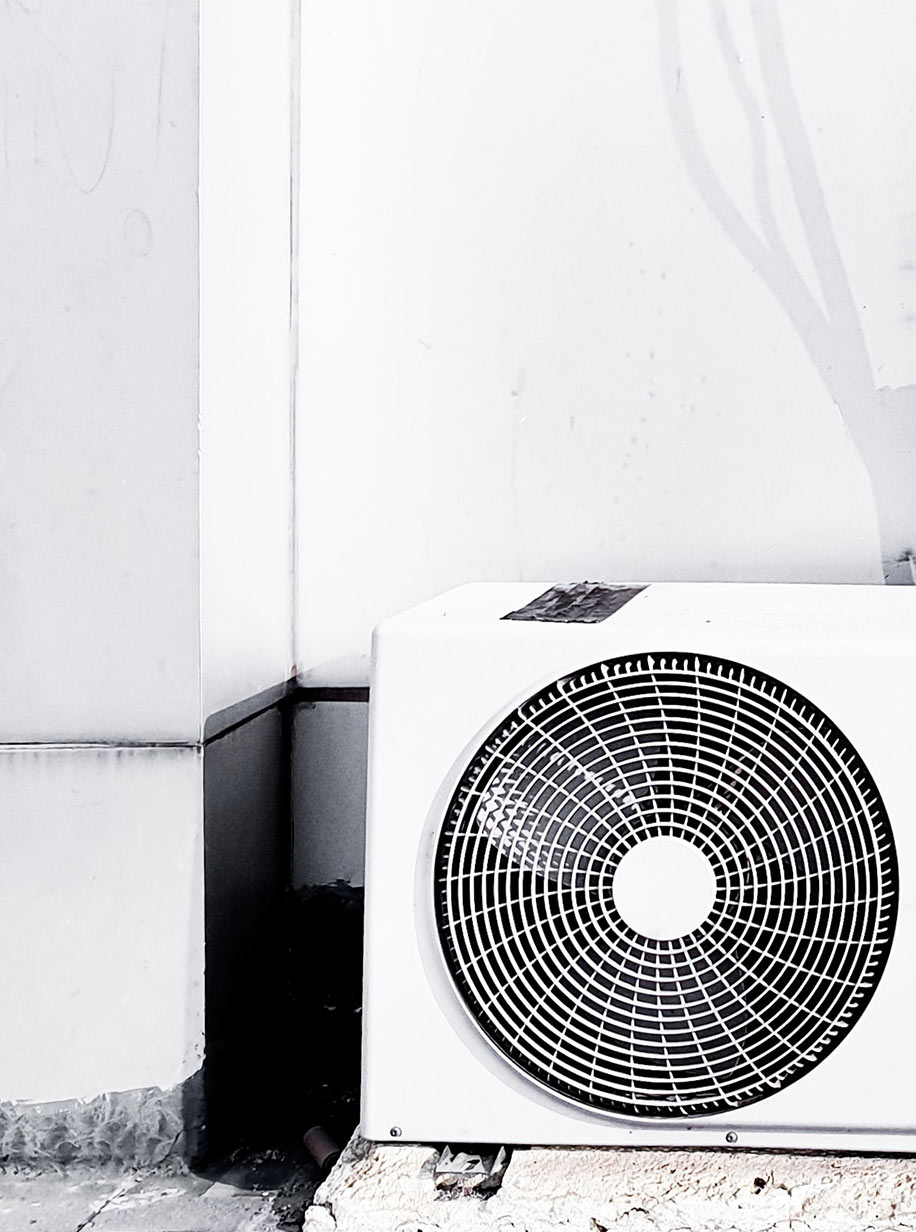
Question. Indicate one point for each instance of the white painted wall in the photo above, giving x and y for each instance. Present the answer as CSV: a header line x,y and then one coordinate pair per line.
x,y
101,908
133,538
246,349
532,345
98,371
100,848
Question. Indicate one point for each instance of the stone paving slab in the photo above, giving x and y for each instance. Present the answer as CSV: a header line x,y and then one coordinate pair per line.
x,y
186,1204
138,1202
51,1202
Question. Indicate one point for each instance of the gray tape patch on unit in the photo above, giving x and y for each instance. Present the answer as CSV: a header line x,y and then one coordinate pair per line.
x,y
576,603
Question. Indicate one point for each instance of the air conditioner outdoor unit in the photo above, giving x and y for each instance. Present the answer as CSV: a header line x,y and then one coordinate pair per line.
x,y
641,866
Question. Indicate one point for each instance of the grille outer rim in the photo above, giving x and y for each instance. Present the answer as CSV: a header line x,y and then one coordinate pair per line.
x,y
884,869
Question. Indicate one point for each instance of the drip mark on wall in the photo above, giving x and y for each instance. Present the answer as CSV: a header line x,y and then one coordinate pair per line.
x,y
138,233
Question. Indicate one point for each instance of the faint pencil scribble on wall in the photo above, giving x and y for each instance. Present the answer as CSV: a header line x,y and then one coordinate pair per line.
x,y
880,421
61,86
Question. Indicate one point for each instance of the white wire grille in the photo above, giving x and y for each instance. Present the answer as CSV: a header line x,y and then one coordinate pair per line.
x,y
773,795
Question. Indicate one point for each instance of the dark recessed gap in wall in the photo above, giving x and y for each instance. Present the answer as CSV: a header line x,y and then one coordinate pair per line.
x,y
283,976
254,1116
246,884
326,961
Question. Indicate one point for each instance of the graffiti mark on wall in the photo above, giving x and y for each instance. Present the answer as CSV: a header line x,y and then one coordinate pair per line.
x,y
61,85
880,420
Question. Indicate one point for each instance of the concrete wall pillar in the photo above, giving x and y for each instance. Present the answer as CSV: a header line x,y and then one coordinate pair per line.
x,y
145,509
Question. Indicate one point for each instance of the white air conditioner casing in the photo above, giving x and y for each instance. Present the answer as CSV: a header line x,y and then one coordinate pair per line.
x,y
445,677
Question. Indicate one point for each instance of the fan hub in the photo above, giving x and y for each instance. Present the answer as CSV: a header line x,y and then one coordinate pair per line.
x,y
664,888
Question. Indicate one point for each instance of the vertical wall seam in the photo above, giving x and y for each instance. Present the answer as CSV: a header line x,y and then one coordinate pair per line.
x,y
200,352
295,129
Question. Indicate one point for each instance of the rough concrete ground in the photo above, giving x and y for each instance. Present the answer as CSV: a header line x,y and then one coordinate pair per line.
x,y
390,1188
267,1196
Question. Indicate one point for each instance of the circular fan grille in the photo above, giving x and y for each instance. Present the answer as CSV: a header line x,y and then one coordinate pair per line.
x,y
579,957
